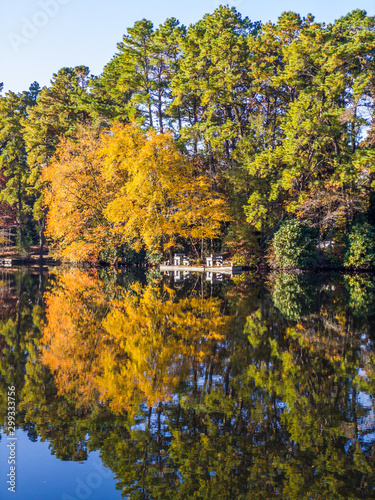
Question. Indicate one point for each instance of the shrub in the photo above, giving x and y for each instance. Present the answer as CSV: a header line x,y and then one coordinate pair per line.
x,y
154,256
360,251
239,260
294,245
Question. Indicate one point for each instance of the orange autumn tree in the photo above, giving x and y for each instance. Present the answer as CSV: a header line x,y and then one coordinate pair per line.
x,y
158,196
76,197
126,188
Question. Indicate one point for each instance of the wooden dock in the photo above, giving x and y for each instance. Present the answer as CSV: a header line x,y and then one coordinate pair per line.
x,y
17,262
204,269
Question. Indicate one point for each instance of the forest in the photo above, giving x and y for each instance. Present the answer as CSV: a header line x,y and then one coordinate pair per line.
x,y
254,140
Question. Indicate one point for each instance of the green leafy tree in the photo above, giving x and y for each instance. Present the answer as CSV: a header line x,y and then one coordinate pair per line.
x,y
13,160
361,246
136,84
127,79
294,245
213,84
331,72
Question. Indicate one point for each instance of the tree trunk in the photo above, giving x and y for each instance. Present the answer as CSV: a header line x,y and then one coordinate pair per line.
x,y
160,113
41,240
150,115
19,216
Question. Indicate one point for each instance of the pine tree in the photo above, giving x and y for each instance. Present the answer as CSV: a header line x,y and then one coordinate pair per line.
x,y
13,160
58,111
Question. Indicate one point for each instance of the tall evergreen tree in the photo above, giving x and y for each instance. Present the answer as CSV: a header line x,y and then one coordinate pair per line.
x,y
58,111
13,159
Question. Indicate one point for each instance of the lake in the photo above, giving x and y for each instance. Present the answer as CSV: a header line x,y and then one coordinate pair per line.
x,y
147,386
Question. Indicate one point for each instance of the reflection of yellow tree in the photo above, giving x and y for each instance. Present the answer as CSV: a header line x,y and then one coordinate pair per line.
x,y
73,337
141,346
163,340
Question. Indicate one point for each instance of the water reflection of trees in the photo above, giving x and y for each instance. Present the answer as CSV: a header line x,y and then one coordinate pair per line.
x,y
20,312
139,347
188,395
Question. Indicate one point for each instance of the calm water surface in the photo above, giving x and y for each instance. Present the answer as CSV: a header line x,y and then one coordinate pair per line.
x,y
143,387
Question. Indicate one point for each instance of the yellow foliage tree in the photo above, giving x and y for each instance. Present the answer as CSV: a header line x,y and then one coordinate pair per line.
x,y
126,187
76,197
157,195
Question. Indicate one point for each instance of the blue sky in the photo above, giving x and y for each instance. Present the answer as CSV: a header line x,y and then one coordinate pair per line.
x,y
38,37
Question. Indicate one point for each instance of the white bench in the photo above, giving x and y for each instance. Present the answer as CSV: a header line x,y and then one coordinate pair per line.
x,y
181,256
177,258
217,259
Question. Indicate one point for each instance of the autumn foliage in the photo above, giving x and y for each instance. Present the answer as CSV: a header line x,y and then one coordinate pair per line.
x,y
73,336
126,187
76,197
138,347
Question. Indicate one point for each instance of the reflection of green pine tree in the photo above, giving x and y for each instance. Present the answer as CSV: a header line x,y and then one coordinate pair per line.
x,y
21,330
294,295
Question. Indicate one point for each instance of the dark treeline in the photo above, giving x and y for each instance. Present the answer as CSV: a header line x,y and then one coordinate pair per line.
x,y
223,134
